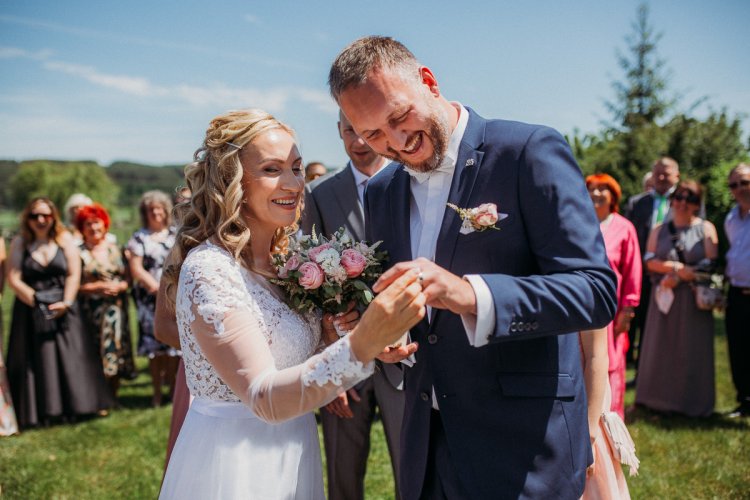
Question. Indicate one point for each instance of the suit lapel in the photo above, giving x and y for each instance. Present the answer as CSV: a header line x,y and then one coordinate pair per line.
x,y
348,200
399,203
468,168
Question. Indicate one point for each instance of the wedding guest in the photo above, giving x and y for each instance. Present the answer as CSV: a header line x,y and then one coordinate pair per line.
x,y
313,170
147,250
8,424
333,202
103,295
737,229
676,372
604,477
70,210
53,368
624,257
645,211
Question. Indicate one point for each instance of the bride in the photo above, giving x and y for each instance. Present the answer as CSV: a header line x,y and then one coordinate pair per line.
x,y
255,367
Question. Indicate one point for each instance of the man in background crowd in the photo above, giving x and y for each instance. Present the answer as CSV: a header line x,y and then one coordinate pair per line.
x,y
645,211
313,170
737,229
332,202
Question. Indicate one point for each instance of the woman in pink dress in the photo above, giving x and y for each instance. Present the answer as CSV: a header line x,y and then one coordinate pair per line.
x,y
624,255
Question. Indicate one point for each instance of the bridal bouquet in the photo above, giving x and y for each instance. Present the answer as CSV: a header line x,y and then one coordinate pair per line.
x,y
328,273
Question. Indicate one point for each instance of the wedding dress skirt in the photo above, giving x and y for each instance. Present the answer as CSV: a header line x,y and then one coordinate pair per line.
x,y
224,451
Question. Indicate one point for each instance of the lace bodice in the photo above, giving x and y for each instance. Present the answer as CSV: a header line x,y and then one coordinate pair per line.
x,y
239,340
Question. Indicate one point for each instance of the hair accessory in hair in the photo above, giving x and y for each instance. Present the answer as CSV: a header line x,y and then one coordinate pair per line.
x,y
234,145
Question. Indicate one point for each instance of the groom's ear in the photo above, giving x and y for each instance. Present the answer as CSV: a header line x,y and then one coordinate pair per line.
x,y
429,80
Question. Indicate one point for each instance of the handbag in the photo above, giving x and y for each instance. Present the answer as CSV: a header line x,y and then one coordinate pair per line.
x,y
42,318
709,292
707,288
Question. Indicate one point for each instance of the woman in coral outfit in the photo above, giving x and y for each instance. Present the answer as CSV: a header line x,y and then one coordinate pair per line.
x,y
621,242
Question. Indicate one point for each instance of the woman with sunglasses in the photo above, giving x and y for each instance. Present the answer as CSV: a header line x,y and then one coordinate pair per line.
x,y
53,369
676,371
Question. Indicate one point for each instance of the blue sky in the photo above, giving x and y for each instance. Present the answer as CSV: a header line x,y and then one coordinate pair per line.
x,y
140,80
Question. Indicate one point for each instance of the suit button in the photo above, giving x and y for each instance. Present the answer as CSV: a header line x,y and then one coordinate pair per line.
x,y
424,396
432,338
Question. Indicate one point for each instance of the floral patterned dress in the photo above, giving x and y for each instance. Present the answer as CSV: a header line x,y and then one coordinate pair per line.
x,y
154,254
106,317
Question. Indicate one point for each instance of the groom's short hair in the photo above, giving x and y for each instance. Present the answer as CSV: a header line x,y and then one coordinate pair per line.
x,y
359,58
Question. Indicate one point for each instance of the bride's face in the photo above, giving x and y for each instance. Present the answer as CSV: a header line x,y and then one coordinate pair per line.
x,y
273,180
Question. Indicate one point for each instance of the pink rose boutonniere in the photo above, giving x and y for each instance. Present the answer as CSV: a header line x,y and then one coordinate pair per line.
x,y
480,218
328,273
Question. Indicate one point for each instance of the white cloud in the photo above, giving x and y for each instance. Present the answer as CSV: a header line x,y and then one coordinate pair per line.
x,y
216,95
16,53
128,84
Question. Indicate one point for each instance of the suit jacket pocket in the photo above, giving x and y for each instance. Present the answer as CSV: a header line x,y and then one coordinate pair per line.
x,y
537,385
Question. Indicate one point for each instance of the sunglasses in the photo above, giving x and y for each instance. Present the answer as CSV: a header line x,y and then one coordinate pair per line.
x,y
688,197
36,216
735,185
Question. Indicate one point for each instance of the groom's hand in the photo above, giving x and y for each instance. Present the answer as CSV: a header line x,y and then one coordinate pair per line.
x,y
397,354
443,289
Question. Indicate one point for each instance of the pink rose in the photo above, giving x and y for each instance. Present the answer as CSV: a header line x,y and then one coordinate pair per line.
x,y
353,262
486,214
290,265
312,276
312,254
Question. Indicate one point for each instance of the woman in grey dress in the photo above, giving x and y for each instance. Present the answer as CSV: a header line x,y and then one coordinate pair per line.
x,y
676,371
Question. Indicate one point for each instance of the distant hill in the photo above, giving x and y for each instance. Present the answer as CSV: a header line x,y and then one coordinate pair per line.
x,y
133,179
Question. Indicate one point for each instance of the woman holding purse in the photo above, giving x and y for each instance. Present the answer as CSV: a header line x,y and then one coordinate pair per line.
x,y
676,371
53,369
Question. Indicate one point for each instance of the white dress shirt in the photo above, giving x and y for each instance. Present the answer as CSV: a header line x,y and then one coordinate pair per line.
x,y
429,196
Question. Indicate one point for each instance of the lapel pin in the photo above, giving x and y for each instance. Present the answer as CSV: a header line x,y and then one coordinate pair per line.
x,y
470,162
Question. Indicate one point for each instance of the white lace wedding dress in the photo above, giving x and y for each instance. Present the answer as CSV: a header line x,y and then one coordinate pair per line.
x,y
251,365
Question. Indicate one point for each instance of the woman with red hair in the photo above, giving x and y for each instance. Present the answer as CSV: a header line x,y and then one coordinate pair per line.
x,y
624,255
103,295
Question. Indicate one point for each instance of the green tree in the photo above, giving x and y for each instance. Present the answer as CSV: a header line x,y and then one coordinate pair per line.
x,y
59,180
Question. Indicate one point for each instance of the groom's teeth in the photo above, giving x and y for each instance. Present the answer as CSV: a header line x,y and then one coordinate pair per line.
x,y
413,144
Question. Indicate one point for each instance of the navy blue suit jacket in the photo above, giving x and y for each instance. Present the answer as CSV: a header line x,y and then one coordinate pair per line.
x,y
514,411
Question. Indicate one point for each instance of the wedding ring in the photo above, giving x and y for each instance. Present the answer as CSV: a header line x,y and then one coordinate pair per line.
x,y
420,277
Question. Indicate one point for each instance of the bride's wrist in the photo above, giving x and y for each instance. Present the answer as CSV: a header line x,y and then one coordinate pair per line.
x,y
362,348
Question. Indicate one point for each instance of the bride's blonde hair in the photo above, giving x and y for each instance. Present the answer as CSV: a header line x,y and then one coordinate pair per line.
x,y
215,179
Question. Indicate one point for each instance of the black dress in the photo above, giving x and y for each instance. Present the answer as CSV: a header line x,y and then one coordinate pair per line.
x,y
53,368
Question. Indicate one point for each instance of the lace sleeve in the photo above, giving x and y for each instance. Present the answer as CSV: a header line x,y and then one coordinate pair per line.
x,y
224,321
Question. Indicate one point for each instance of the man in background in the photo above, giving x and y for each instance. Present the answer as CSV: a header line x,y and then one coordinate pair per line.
x,y
333,202
645,211
313,170
737,229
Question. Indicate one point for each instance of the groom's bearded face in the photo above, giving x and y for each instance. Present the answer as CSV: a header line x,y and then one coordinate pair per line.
x,y
399,118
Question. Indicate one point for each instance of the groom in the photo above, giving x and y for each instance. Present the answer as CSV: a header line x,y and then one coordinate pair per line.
x,y
495,403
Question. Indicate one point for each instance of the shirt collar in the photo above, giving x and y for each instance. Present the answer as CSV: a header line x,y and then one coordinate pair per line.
x,y
359,177
448,165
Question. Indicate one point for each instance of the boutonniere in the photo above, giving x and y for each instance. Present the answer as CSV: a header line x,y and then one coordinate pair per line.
x,y
480,218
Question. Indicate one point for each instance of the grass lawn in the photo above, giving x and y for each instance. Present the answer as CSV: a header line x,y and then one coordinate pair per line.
x,y
122,455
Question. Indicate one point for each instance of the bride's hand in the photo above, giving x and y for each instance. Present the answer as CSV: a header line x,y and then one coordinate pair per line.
x,y
395,310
